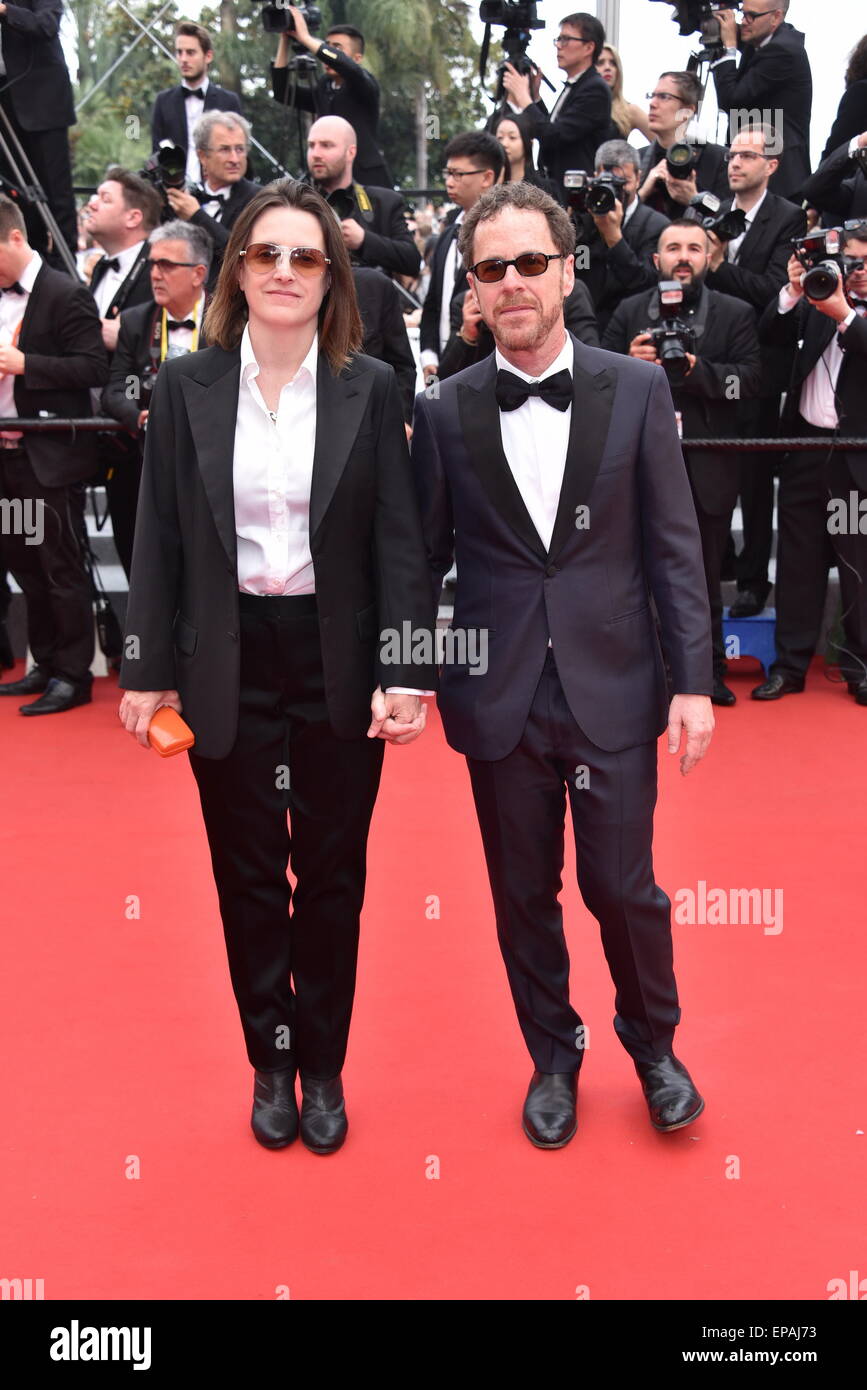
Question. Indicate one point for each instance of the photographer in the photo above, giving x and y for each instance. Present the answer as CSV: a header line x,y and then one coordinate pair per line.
x,y
827,396
347,90
222,143
674,170
373,220
177,109
711,355
774,75
839,185
621,242
580,118
750,267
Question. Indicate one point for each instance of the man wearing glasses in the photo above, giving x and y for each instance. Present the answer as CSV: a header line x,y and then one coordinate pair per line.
x,y
672,105
580,119
774,78
555,472
222,142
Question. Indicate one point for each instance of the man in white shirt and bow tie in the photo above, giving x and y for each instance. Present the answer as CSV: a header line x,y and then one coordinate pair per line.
x,y
554,472
222,140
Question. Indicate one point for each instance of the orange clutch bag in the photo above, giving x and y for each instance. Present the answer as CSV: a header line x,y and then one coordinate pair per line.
x,y
168,734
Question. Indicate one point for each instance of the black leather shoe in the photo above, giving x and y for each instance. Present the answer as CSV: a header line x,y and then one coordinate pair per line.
x,y
7,656
549,1118
275,1110
323,1114
35,681
671,1096
859,690
721,693
777,685
748,604
59,696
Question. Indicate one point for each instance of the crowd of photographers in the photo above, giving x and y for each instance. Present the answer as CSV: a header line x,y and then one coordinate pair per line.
x,y
689,253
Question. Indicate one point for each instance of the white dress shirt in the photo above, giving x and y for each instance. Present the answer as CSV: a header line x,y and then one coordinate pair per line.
x,y
733,248
195,106
113,279
12,308
817,403
535,440
272,473
180,340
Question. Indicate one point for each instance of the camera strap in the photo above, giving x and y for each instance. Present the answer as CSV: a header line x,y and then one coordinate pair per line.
x,y
362,199
125,289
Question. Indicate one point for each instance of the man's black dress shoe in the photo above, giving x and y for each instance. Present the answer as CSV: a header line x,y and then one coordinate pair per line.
x,y
59,696
721,693
323,1114
671,1096
777,685
275,1110
549,1118
859,690
748,604
35,681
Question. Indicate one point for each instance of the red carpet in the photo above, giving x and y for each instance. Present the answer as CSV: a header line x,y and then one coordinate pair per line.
x,y
122,1047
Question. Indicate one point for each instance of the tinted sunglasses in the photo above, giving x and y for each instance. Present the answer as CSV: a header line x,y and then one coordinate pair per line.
x,y
263,256
529,263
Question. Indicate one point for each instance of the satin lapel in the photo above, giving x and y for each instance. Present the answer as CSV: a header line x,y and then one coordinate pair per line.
x,y
480,422
340,405
592,400
212,408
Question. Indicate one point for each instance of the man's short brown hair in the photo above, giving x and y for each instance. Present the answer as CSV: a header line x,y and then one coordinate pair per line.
x,y
195,31
527,198
137,193
10,216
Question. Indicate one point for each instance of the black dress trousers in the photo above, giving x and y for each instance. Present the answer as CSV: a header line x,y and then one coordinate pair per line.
x,y
293,974
521,805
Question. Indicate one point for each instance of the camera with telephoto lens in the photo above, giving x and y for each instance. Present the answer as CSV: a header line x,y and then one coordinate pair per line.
x,y
276,19
821,254
700,17
681,158
673,338
704,208
166,167
593,193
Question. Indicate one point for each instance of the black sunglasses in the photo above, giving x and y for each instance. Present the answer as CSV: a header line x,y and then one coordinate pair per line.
x,y
528,263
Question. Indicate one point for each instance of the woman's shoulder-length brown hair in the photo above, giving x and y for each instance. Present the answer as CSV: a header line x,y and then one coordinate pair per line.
x,y
340,328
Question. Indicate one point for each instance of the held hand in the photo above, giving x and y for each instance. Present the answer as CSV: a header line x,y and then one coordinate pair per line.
x,y
836,306
728,27
11,361
862,140
182,203
471,317
795,272
302,33
110,332
142,419
681,190
717,252
691,715
138,707
642,347
609,225
517,87
353,233
656,173
691,359
396,718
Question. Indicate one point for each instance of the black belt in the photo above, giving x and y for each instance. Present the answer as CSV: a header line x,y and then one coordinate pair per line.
x,y
283,605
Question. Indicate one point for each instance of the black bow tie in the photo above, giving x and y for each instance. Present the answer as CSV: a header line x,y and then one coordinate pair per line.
x,y
193,92
859,305
180,323
110,263
13,289
205,197
555,390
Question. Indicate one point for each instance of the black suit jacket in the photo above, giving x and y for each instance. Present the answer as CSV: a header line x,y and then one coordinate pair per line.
x,y
357,101
64,356
239,196
385,335
365,539
851,118
710,177
169,115
37,79
590,592
625,268
773,78
577,313
838,186
388,243
130,359
764,253
727,352
813,330
583,122
429,334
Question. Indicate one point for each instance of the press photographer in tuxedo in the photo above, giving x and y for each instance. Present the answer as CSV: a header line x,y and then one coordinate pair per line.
x,y
222,142
277,538
553,470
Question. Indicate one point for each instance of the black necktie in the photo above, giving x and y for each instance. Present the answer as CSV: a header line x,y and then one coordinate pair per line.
x,y
14,289
180,323
110,263
555,390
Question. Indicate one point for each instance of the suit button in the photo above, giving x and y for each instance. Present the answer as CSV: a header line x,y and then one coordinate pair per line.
x,y
551,571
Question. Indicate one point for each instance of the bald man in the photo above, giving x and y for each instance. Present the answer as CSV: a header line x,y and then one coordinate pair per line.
x,y
373,219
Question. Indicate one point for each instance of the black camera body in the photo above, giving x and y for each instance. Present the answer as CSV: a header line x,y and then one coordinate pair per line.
x,y
673,338
166,168
704,208
700,17
821,254
276,19
681,158
593,193
511,14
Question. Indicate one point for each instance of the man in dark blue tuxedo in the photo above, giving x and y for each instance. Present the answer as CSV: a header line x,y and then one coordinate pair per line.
x,y
553,472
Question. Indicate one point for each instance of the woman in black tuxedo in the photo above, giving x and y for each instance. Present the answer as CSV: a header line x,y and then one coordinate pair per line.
x,y
277,540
